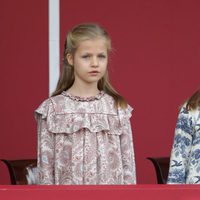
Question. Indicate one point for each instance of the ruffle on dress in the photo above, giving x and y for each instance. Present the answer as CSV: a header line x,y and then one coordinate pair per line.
x,y
69,114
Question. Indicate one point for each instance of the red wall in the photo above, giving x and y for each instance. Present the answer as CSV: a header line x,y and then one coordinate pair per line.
x,y
23,75
155,66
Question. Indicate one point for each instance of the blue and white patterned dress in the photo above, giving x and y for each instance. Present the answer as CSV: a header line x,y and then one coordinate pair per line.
x,y
185,155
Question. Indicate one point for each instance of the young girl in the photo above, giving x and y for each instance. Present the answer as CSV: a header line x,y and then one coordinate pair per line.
x,y
84,131
185,156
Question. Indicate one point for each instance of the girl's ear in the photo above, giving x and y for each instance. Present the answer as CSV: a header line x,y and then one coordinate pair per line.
x,y
70,59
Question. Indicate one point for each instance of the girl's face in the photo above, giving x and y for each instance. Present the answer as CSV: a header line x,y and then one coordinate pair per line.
x,y
90,60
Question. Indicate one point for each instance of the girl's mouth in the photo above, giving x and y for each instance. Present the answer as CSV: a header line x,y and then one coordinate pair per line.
x,y
94,73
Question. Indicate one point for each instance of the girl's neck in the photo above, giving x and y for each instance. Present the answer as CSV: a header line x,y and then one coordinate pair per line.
x,y
83,90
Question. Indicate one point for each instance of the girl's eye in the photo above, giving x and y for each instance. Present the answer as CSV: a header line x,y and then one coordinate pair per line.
x,y
85,56
102,56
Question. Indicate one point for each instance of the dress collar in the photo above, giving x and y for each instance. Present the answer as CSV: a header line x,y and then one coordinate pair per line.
x,y
78,98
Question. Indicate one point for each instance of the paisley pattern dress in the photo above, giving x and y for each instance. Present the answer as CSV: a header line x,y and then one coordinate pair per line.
x,y
84,141
185,155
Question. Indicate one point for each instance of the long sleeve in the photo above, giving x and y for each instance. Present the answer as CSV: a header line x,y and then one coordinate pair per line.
x,y
178,170
45,153
127,151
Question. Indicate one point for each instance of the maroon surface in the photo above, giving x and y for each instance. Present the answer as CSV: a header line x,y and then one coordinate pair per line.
x,y
139,192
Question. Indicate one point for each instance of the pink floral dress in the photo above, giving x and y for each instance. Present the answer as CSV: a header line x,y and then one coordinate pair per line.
x,y
84,141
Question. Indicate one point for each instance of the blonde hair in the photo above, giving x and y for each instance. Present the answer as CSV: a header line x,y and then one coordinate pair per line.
x,y
77,34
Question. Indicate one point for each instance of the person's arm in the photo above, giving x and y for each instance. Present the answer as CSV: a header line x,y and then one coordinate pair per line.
x,y
127,151
181,148
45,153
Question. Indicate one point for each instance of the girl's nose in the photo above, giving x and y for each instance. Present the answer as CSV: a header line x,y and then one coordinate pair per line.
x,y
94,62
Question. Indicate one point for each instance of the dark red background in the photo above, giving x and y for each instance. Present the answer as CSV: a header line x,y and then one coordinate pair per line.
x,y
155,66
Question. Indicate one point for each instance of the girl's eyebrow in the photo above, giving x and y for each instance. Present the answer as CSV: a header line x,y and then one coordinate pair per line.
x,y
104,53
87,53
